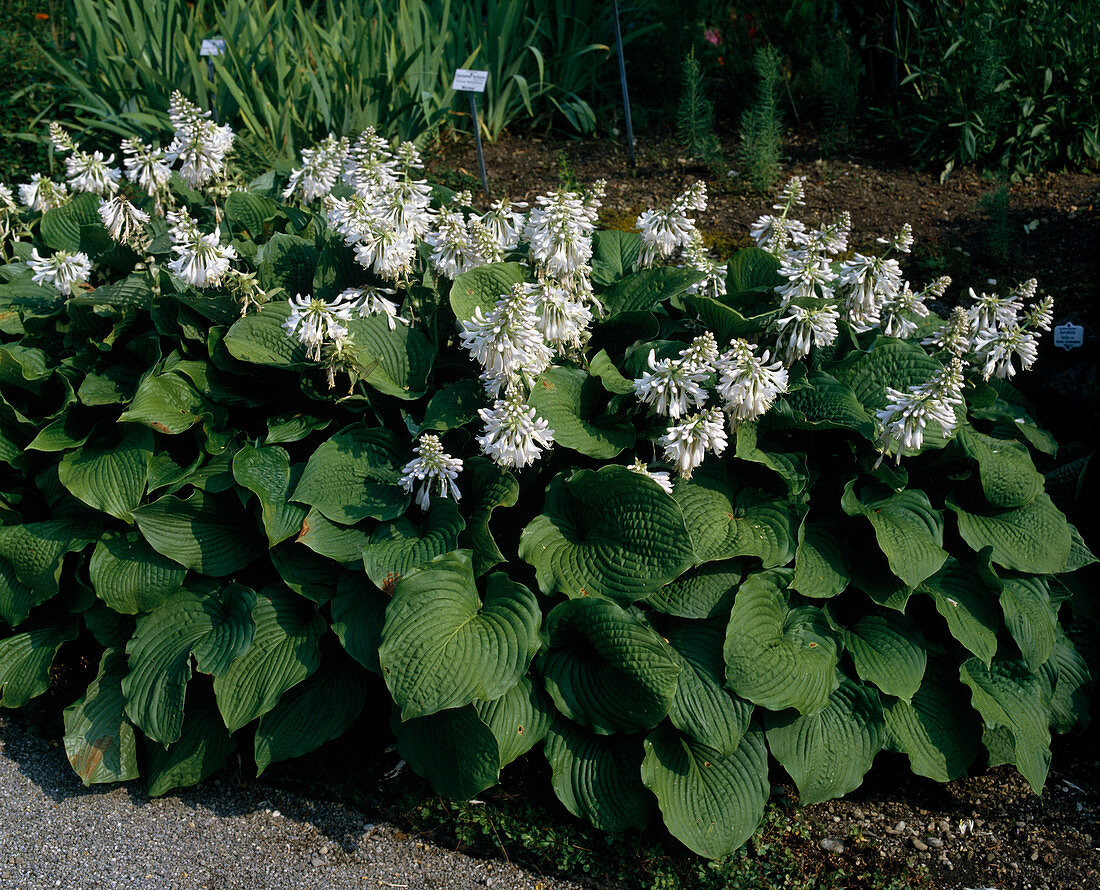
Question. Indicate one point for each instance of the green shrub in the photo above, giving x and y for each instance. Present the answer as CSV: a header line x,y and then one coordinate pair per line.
x,y
284,448
762,122
695,116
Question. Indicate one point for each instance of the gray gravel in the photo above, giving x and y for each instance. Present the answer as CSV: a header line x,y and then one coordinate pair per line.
x,y
56,833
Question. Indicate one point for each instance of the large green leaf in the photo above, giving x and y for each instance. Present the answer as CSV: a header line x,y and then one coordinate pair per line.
x,y
612,533
260,339
358,615
395,362
213,626
966,598
613,255
340,543
203,748
792,466
454,749
355,475
1030,618
99,741
307,572
315,711
704,591
647,288
1007,694
820,562
167,403
1034,538
30,563
60,226
287,261
454,405
1009,478
130,576
779,656
607,668
284,652
826,403
402,544
567,399
481,287
888,650
598,777
828,753
725,322
938,730
25,661
908,530
711,802
703,709
110,476
266,472
248,211
518,720
722,525
443,648
752,268
487,487
210,534
1071,680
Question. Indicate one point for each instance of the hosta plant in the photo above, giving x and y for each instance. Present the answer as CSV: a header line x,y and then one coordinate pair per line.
x,y
592,496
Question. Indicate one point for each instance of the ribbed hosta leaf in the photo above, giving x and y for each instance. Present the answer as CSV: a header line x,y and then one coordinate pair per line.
x,y
568,400
598,777
610,377
1030,618
395,362
889,651
452,748
340,543
1007,694
606,668
260,338
778,656
203,748
827,404
355,475
402,544
284,652
61,226
315,711
518,720
30,563
266,472
828,753
486,487
130,576
1009,478
110,476
613,255
482,286
703,709
167,403
454,405
100,743
288,262
358,613
908,530
305,572
723,526
210,534
966,598
1070,679
938,730
614,533
705,591
752,268
725,322
1034,538
213,626
442,647
792,466
1079,553
710,802
25,661
647,288
820,562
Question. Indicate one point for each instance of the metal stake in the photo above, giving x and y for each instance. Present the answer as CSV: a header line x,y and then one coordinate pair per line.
x,y
622,81
477,139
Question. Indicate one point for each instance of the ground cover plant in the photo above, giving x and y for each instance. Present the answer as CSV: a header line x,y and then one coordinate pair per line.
x,y
551,487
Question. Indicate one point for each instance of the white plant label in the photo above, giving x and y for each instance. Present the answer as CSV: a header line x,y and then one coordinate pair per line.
x,y
470,80
212,46
1069,336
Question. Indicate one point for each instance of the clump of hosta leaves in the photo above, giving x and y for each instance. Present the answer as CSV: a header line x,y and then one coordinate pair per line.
x,y
654,513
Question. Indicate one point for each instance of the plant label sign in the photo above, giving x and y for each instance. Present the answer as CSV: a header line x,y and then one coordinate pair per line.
x,y
1069,336
212,46
470,80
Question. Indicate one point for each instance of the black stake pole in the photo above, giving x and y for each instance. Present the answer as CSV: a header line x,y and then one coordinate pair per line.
x,y
477,140
622,81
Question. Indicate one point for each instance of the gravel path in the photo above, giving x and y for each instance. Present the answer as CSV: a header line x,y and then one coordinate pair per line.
x,y
56,833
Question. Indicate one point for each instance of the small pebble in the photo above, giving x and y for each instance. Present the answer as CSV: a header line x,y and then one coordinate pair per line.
x,y
831,845
935,841
918,844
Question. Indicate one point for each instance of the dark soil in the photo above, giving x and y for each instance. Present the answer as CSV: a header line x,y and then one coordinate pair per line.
x,y
957,232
